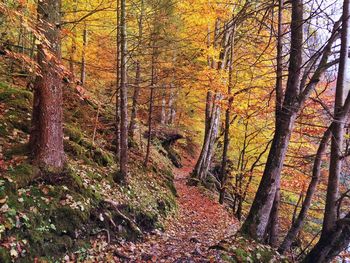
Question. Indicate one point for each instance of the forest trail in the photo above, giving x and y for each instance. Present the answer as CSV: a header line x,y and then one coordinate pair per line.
x,y
201,222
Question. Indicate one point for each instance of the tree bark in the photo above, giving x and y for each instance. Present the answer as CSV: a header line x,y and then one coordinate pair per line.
x,y
117,94
135,98
171,106
204,159
47,131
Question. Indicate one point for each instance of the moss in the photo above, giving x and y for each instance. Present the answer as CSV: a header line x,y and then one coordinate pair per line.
x,y
49,244
15,118
19,149
57,245
67,220
74,149
4,255
23,174
74,133
15,96
146,220
102,157
3,130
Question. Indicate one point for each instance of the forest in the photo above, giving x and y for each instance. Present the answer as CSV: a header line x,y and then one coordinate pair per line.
x,y
174,131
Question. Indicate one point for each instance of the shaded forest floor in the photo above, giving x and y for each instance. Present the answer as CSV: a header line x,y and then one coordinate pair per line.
x,y
199,224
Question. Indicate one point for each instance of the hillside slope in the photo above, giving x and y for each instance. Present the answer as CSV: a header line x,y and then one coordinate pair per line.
x,y
48,217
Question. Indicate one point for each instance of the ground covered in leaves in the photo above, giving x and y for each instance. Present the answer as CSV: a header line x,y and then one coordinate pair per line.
x,y
188,237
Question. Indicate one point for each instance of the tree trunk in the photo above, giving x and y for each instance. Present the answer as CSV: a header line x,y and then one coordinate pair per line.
x,y
210,101
259,214
328,247
123,96
163,110
204,159
83,57
274,221
150,110
135,97
47,131
212,139
171,107
223,172
117,97
330,215
73,47
335,235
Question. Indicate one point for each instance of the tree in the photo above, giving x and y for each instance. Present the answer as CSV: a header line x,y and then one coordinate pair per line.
x,y
46,137
297,92
335,235
123,95
136,95
223,175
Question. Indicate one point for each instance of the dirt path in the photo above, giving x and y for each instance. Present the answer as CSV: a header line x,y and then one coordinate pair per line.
x,y
201,223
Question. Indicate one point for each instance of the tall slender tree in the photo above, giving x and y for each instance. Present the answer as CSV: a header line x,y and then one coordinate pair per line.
x,y
330,215
123,95
223,172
